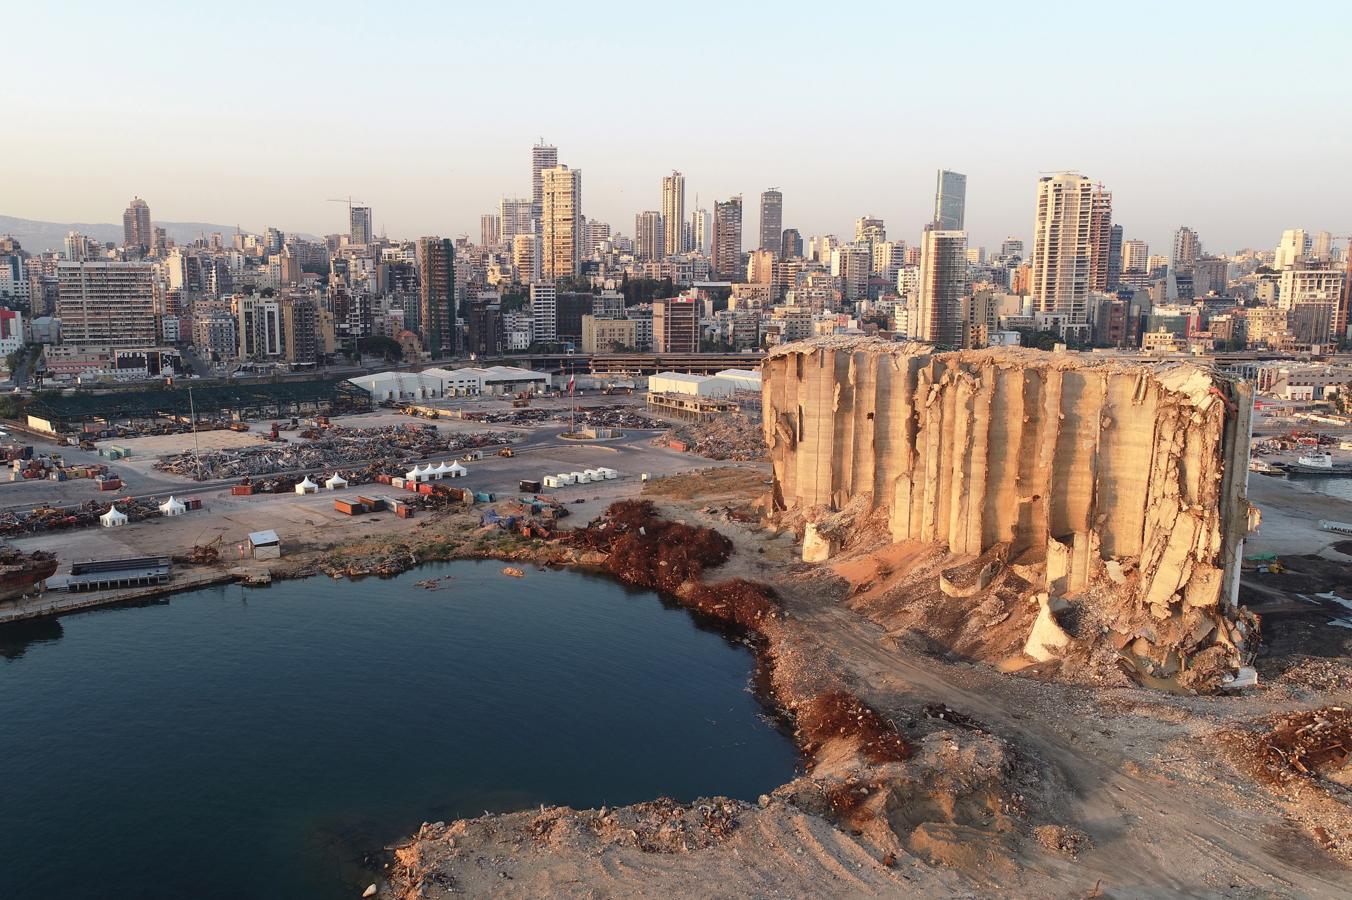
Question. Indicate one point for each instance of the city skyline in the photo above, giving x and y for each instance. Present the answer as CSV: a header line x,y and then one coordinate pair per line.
x,y
83,157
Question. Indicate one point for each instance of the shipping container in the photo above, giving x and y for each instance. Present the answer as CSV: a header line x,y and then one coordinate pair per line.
x,y
529,487
349,507
242,490
403,511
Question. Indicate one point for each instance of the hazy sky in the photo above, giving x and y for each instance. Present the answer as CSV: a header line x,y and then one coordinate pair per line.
x,y
1229,117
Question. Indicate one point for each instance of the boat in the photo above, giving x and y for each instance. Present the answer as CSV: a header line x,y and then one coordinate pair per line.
x,y
23,573
1316,464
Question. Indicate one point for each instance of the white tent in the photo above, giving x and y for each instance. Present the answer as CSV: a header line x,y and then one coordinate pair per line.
x,y
442,470
172,507
306,486
455,470
113,518
413,474
336,482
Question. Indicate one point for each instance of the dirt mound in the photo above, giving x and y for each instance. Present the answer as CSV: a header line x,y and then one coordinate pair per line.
x,y
837,715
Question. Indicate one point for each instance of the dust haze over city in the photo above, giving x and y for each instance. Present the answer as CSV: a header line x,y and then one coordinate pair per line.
x,y
729,450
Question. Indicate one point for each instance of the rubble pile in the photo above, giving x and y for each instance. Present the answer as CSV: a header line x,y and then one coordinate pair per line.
x,y
1306,744
646,550
732,437
834,715
331,449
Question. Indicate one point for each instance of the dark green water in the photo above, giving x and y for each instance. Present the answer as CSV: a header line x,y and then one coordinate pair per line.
x,y
260,743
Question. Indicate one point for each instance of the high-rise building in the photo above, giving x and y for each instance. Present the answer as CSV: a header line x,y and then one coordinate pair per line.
x,y
107,304
1061,252
526,256
79,247
436,285
359,226
649,244
791,244
1010,248
1135,256
259,326
942,287
1100,237
1294,246
727,239
1114,257
673,214
542,156
561,222
771,220
868,230
676,325
1321,249
1210,275
485,324
544,311
514,217
950,201
137,234
851,263
273,239
490,230
702,228
1187,247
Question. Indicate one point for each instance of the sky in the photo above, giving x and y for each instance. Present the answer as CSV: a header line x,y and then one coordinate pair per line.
x,y
1232,118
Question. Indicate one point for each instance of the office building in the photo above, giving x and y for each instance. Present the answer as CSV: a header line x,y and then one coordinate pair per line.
x,y
727,239
542,156
600,335
791,244
137,234
1114,256
942,287
359,226
673,214
107,304
484,327
950,201
560,222
676,324
526,257
771,220
702,231
1321,249
259,326
1061,252
437,319
1210,275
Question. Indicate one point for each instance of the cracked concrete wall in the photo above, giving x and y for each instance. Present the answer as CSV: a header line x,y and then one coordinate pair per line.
x,y
1053,454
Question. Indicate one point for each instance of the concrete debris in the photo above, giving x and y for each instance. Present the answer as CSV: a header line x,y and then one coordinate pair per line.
x,y
732,437
1048,639
1071,461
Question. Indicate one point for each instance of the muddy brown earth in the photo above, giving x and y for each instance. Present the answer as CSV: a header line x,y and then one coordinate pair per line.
x,y
928,770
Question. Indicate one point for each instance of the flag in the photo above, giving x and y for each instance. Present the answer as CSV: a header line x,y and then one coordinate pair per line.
x,y
570,384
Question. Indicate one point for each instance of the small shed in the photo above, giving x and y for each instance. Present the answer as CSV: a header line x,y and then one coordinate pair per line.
x,y
265,544
172,507
113,517
579,477
306,486
336,483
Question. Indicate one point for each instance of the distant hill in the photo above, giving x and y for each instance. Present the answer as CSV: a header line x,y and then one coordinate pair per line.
x,y
36,236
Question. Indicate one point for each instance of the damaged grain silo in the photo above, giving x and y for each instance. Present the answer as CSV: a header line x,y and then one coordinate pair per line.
x,y
1069,466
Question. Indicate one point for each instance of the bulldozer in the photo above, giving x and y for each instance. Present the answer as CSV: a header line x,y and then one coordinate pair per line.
x,y
507,452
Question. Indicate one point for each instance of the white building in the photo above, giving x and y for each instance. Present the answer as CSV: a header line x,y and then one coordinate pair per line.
x,y
544,310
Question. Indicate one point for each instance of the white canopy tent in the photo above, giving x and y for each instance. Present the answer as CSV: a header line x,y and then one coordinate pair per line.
x,y
306,486
113,518
337,482
455,470
172,507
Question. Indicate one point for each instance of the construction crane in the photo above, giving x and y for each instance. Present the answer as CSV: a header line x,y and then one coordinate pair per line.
x,y
349,201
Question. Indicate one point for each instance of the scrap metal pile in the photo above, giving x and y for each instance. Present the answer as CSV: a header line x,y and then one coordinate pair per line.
x,y
331,449
732,437
83,515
